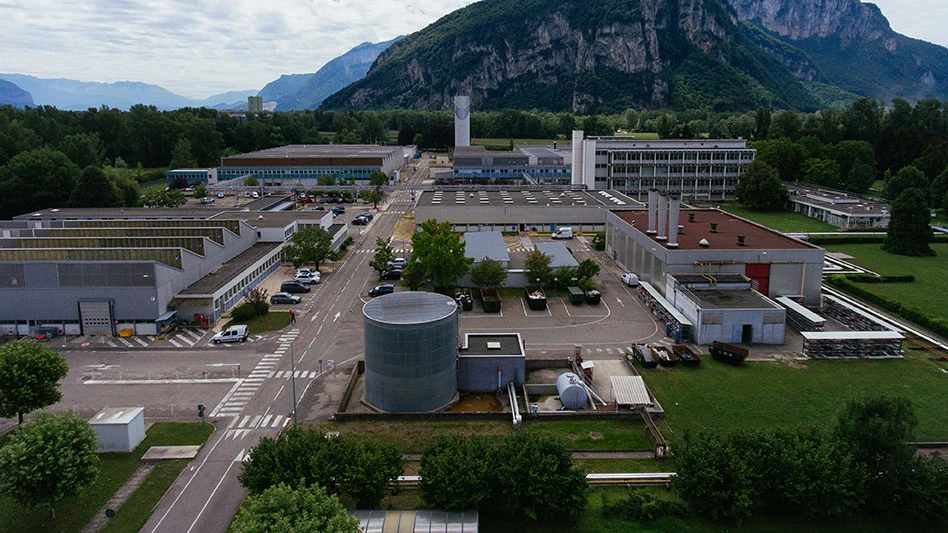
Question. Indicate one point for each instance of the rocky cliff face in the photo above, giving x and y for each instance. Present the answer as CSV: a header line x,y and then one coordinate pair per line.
x,y
853,47
850,21
579,56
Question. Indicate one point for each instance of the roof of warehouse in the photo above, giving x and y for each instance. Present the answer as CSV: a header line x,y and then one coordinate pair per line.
x,y
409,307
733,299
115,415
559,254
226,273
319,150
479,245
729,227
478,197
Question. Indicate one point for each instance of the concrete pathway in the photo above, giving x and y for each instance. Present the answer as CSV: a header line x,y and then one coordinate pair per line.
x,y
100,521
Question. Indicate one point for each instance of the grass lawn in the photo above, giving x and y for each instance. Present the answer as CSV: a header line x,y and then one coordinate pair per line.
x,y
73,514
769,394
272,321
929,291
784,221
412,436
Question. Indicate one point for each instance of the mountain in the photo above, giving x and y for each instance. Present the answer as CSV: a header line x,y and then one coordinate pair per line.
x,y
79,95
334,75
592,56
604,56
10,94
283,87
853,47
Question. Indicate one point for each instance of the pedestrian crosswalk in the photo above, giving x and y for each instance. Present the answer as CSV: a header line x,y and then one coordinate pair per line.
x,y
234,402
259,421
300,374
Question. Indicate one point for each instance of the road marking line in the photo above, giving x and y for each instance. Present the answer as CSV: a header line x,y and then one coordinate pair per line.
x,y
266,420
139,341
276,421
256,420
174,343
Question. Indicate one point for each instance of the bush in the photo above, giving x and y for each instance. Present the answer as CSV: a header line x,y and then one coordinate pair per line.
x,y
868,278
243,312
642,505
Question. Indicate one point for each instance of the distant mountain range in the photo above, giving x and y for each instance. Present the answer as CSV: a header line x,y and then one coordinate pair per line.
x,y
293,92
79,95
289,92
609,55
10,94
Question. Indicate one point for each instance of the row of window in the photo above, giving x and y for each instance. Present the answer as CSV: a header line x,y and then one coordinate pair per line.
x,y
684,157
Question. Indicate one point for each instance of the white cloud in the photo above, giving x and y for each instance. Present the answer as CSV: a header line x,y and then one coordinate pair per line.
x,y
210,46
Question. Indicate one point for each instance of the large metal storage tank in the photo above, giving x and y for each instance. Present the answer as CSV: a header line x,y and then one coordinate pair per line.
x,y
411,350
572,392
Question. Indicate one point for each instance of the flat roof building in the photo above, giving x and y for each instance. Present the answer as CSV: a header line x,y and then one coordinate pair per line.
x,y
302,164
696,169
524,165
843,210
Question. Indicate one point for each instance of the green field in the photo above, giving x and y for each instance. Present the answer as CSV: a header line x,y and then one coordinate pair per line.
x,y
73,514
929,291
783,221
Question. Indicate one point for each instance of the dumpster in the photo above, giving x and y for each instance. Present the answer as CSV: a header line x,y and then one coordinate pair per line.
x,y
576,295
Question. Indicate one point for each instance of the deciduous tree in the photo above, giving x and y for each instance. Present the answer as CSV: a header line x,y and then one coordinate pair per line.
x,y
438,253
94,189
293,510
383,256
49,458
35,180
309,245
760,188
29,377
537,267
488,273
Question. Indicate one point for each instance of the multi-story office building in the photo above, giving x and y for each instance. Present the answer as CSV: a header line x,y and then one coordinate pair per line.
x,y
696,169
525,165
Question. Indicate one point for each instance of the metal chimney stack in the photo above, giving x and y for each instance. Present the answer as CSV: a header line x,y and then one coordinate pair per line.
x,y
652,211
674,207
662,218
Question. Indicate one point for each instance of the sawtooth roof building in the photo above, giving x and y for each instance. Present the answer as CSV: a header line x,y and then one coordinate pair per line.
x,y
301,165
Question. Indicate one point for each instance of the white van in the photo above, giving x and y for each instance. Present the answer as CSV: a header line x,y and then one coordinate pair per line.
x,y
563,233
231,334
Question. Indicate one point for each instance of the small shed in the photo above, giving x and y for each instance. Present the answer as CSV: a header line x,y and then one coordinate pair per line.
x,y
119,429
560,255
480,245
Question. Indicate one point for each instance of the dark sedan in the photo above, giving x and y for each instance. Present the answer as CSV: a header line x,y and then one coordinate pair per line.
x,y
392,273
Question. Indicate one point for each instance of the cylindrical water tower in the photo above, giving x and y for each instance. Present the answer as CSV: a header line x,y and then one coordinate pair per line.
x,y
411,351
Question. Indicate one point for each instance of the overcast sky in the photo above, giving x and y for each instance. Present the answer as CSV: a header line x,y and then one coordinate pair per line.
x,y
198,48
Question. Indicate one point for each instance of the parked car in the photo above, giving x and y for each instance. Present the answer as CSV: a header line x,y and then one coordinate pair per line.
x,y
367,215
379,290
339,209
255,194
293,286
285,298
360,221
220,195
398,262
319,208
307,278
231,334
392,273
630,279
246,194
207,200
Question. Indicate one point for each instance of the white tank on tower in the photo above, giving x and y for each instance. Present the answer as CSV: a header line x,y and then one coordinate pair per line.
x,y
462,121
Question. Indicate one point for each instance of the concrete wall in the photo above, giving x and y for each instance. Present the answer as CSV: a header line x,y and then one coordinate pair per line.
x,y
479,373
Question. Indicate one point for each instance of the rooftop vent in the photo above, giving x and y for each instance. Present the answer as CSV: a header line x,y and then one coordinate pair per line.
x,y
681,229
714,227
740,240
704,243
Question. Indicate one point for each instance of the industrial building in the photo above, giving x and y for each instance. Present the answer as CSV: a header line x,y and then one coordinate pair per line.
x,y
192,176
695,169
527,209
115,270
524,165
301,165
711,274
487,362
843,210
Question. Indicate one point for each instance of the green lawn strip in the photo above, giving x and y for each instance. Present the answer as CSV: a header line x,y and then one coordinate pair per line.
x,y
412,436
784,221
272,321
133,514
929,291
763,394
73,514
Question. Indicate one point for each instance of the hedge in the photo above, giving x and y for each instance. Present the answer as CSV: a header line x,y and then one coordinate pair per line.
x,y
912,314
869,278
861,239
